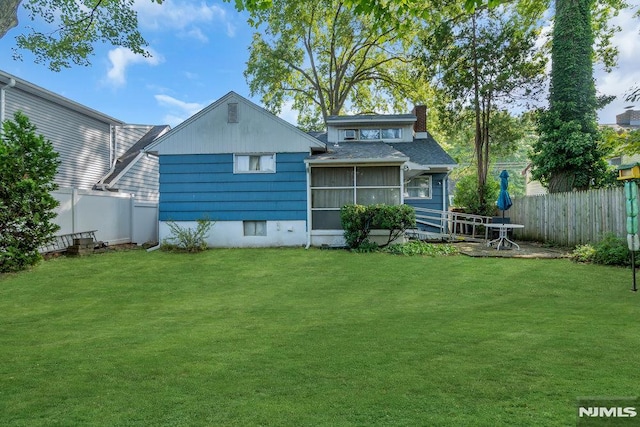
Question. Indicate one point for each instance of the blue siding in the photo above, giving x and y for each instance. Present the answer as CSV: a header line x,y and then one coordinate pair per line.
x,y
435,202
204,186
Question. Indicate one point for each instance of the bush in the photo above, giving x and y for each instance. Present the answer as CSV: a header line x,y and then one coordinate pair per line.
x,y
358,221
188,239
416,247
466,195
583,253
28,166
611,250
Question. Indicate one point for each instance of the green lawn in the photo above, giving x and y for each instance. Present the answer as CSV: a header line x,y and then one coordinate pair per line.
x,y
317,337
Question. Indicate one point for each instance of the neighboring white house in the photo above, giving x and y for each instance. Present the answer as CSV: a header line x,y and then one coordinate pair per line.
x,y
92,145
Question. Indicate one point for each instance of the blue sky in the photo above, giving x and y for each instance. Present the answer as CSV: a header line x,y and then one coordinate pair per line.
x,y
199,51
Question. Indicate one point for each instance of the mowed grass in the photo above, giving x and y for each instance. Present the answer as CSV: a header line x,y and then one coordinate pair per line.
x,y
318,337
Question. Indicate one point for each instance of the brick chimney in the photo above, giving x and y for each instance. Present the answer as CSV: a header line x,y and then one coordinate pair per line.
x,y
420,126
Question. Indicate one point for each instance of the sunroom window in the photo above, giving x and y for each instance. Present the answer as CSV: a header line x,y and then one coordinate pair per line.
x,y
334,187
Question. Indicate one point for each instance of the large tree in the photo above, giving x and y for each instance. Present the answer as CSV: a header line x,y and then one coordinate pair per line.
x,y
71,28
482,61
323,57
569,154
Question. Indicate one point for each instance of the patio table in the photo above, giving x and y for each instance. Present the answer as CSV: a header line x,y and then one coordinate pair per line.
x,y
503,238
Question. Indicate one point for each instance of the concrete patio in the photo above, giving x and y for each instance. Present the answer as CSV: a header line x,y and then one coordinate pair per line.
x,y
527,250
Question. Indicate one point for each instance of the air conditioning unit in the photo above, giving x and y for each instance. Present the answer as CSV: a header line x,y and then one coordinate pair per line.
x,y
350,134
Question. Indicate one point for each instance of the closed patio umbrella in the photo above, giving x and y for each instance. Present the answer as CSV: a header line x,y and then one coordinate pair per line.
x,y
504,200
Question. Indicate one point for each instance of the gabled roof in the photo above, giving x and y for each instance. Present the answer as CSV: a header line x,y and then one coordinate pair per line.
x,y
359,152
128,159
208,132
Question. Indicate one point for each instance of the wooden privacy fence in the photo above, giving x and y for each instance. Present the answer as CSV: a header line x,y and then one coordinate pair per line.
x,y
570,219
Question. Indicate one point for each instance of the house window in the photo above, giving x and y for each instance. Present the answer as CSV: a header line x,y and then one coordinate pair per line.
x,y
255,228
419,187
392,133
334,187
255,163
372,134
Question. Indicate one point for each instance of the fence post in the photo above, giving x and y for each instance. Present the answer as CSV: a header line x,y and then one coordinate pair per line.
x,y
132,205
74,213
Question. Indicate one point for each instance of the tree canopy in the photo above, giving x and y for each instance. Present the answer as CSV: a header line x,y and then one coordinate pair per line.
x,y
323,57
73,28
480,62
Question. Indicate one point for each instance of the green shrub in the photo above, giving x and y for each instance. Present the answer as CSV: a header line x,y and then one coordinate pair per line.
x,y
188,239
466,195
612,250
358,221
583,253
28,165
417,247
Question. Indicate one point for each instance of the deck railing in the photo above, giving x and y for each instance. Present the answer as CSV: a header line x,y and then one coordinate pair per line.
x,y
451,225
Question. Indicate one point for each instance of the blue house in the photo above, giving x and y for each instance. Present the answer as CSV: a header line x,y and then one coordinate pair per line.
x,y
266,183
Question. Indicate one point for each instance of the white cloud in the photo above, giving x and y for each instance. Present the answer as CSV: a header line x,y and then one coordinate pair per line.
x,y
187,19
121,58
179,110
288,114
627,74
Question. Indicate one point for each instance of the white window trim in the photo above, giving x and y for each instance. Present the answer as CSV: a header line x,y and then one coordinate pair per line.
x,y
406,187
238,171
358,133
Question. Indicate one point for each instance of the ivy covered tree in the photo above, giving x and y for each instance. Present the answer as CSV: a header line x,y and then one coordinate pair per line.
x,y
569,154
28,165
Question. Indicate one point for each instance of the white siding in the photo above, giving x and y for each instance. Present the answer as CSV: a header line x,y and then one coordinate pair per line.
x,y
257,130
82,141
128,135
142,179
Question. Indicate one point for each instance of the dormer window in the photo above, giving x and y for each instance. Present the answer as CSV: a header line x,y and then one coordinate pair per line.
x,y
375,134
369,134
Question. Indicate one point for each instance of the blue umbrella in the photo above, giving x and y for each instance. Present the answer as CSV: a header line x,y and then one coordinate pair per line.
x,y
504,200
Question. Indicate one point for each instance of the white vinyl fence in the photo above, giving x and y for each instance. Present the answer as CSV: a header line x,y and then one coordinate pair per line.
x,y
117,218
572,218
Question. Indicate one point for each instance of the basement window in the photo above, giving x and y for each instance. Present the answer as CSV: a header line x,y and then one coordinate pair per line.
x,y
255,228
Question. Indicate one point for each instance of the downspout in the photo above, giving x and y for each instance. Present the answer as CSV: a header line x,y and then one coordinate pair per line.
x,y
10,84
445,208
308,169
